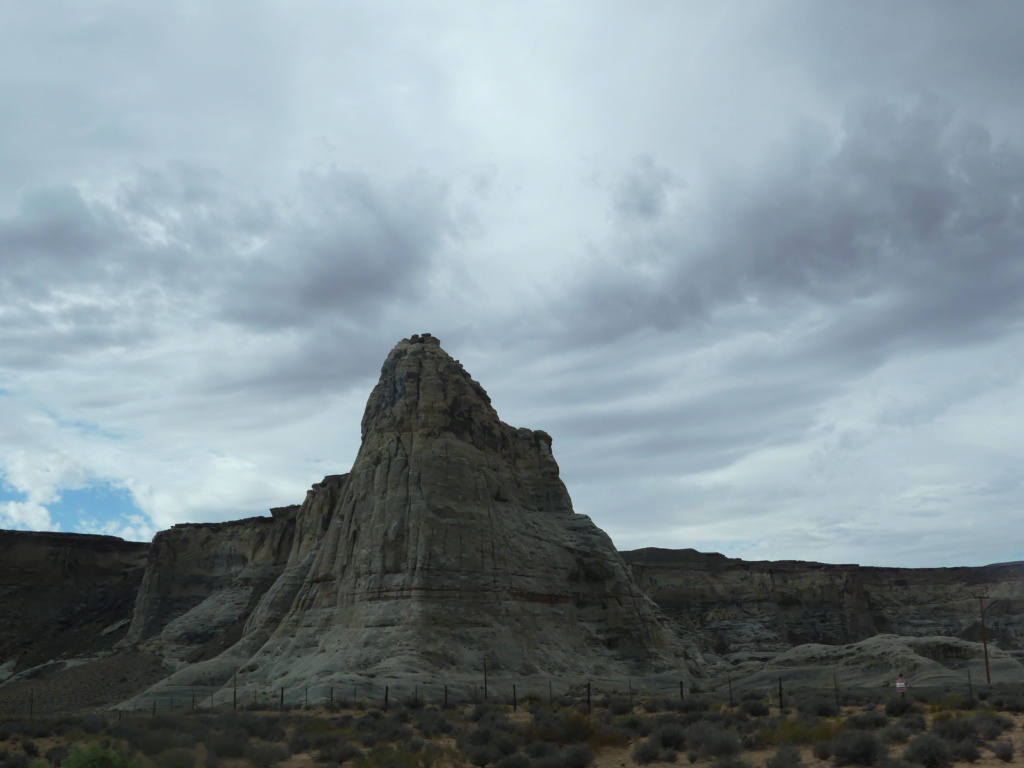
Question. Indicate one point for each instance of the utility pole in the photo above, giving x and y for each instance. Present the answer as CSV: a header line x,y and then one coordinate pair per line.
x,y
984,640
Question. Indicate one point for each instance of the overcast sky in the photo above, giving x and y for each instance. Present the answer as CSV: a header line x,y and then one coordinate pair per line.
x,y
757,267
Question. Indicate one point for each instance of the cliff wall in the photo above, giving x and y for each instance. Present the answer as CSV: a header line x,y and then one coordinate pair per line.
x,y
64,595
731,605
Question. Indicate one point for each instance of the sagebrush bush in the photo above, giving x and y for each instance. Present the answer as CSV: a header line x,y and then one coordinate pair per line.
x,y
262,754
786,756
1003,750
966,750
858,748
868,721
711,740
646,751
929,751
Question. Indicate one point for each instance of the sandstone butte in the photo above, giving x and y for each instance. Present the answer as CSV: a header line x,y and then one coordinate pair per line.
x,y
451,545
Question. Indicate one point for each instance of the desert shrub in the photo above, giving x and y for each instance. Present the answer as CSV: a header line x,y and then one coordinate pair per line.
x,y
900,705
576,756
1003,750
913,721
786,756
432,723
669,735
646,751
955,729
541,749
755,708
57,754
868,721
966,750
989,725
16,760
262,754
334,748
175,758
30,748
636,725
895,734
711,740
620,705
822,750
929,751
227,744
858,748
820,706
481,754
563,727
96,756
654,704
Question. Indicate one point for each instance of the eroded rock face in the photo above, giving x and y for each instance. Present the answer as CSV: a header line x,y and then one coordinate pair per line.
x,y
64,595
451,544
731,605
452,541
202,582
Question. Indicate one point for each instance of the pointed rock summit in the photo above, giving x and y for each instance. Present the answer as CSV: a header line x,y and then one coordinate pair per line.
x,y
451,544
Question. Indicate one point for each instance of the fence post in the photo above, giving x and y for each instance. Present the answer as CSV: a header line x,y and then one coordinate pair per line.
x,y
234,692
307,697
515,703
332,694
681,690
446,695
730,693
588,697
485,679
551,695
782,702
835,688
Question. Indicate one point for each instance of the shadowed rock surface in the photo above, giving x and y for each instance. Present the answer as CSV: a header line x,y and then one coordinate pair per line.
x,y
730,605
64,595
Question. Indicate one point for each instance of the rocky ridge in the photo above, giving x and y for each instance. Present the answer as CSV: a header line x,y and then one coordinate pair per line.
x,y
736,606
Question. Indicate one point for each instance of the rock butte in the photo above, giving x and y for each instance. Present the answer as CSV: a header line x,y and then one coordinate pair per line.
x,y
451,544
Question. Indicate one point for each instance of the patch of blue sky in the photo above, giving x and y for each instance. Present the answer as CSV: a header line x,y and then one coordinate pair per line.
x,y
92,507
7,493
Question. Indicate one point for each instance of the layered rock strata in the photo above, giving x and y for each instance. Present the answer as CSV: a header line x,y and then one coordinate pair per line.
x,y
732,606
452,544
64,595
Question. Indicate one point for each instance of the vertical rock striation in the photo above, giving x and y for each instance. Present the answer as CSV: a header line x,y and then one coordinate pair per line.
x,y
453,541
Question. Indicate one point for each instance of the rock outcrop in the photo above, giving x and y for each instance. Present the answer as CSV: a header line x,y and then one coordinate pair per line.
x,y
731,606
452,544
64,595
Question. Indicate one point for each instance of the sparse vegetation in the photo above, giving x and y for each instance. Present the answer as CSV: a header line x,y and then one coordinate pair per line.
x,y
927,732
